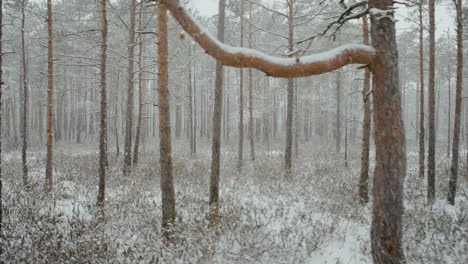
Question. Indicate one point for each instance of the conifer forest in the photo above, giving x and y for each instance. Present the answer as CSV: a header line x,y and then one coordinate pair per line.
x,y
234,131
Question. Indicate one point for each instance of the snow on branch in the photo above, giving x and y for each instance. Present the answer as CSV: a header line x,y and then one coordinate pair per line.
x,y
273,66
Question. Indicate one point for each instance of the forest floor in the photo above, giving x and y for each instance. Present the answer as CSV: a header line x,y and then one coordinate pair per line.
x,y
315,217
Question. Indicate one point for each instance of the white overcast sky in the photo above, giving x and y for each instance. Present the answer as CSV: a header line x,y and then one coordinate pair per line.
x,y
444,15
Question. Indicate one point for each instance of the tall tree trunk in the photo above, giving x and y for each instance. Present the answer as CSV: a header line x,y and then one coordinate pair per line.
x,y
116,113
24,113
458,103
432,132
290,97
449,114
241,97
251,121
165,148
103,134
217,114
338,113
366,125
130,91
390,167
194,134
1,112
191,125
50,98
141,86
422,145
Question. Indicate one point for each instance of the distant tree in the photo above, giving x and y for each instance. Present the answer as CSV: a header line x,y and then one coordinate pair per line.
x,y
103,134
241,96
50,98
141,85
458,102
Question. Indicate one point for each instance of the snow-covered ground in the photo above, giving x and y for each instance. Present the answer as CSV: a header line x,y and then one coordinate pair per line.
x,y
314,217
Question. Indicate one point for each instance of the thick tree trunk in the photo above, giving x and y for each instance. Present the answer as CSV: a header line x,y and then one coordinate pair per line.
x,y
103,134
50,98
24,112
422,145
165,147
217,114
458,104
432,131
130,91
366,125
390,167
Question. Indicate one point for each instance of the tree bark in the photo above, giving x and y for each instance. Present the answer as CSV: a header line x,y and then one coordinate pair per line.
x,y
422,145
103,134
1,113
165,147
366,125
24,112
290,96
50,98
390,167
458,104
130,91
217,114
432,132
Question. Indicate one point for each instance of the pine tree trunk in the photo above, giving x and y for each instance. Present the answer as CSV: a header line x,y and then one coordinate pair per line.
x,y
366,125
217,114
1,112
165,148
50,98
290,97
103,134
241,97
141,87
130,91
390,167
24,113
422,145
432,132
458,104
251,121
338,113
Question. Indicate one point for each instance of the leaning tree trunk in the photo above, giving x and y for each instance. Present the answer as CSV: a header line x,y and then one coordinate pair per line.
x,y
130,91
103,135
366,126
217,114
165,147
24,113
50,97
390,167
422,144
432,131
458,102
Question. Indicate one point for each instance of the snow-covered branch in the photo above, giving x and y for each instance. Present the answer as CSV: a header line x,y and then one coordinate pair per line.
x,y
272,66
